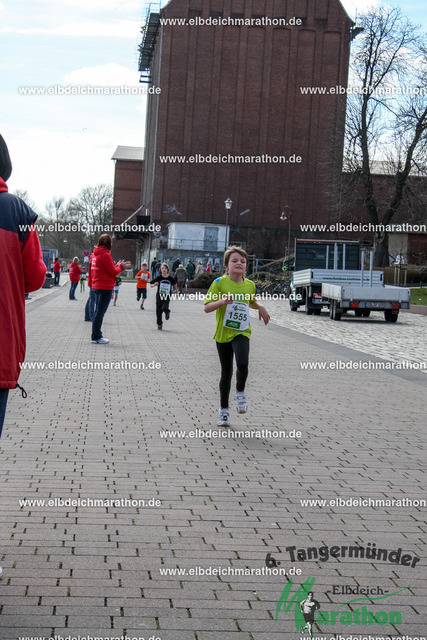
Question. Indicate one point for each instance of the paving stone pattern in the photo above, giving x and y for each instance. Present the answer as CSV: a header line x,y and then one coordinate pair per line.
x,y
397,342
225,503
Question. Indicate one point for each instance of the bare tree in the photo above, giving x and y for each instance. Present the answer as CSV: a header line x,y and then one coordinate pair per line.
x,y
387,119
93,209
25,196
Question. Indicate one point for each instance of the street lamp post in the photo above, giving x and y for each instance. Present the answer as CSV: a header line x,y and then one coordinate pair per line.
x,y
228,204
287,215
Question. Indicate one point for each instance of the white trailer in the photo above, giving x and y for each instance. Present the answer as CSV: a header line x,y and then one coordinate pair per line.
x,y
363,300
345,290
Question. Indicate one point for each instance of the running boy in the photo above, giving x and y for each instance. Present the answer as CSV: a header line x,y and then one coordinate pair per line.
x,y
141,284
231,296
115,291
82,281
165,283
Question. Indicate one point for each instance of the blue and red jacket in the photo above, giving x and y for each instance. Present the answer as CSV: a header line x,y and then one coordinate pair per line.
x,y
22,270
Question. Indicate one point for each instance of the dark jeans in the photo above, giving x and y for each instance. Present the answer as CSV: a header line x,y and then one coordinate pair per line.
x,y
90,307
102,300
162,306
141,292
3,402
238,347
56,278
73,288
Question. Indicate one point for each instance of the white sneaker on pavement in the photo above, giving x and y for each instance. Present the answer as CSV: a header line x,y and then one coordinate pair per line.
x,y
241,402
223,418
101,341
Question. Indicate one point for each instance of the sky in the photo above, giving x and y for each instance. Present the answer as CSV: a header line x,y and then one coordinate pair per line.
x,y
60,144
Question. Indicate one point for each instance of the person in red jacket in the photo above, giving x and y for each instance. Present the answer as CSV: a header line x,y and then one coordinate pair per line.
x,y
103,273
57,266
74,272
90,304
22,270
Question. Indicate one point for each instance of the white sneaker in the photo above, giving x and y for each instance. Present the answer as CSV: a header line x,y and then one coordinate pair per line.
x,y
1,572
101,341
223,418
241,403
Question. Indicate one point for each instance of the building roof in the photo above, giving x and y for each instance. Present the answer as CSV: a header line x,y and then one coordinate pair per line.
x,y
135,154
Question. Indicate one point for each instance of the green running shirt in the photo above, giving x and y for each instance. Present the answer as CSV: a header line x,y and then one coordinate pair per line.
x,y
242,292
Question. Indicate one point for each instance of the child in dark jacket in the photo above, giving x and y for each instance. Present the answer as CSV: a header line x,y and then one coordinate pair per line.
x,y
165,284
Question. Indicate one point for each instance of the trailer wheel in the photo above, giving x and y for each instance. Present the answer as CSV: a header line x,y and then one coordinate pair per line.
x,y
390,316
294,307
309,310
366,313
334,312
317,312
358,313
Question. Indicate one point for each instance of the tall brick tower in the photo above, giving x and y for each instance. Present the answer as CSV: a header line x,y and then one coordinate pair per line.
x,y
232,86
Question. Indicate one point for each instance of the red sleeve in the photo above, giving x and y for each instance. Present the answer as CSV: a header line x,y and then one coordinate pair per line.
x,y
32,261
110,267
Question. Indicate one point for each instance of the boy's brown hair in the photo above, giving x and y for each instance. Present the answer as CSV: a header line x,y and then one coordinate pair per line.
x,y
165,264
231,250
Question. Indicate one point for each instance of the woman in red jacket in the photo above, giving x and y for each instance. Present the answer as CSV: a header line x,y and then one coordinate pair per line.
x,y
74,272
103,278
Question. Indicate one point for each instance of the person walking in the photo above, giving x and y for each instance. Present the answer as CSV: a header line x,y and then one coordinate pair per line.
x,y
199,268
155,264
181,278
190,268
74,273
57,266
231,296
23,270
103,278
91,301
175,265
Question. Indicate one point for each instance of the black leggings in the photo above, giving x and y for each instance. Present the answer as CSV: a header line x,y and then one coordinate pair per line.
x,y
162,306
238,347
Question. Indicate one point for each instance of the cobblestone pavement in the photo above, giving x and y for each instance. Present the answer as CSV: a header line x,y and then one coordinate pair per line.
x,y
404,340
223,503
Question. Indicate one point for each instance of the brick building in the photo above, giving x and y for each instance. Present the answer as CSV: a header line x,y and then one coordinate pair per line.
x,y
128,175
235,89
